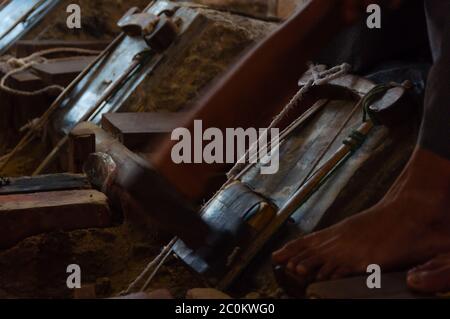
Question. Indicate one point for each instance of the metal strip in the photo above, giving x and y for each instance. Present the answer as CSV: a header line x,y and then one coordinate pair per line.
x,y
18,17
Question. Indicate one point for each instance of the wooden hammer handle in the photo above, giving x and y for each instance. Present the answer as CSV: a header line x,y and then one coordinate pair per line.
x,y
255,90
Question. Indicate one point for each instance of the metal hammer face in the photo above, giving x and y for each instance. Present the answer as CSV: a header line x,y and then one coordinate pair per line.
x,y
137,24
162,201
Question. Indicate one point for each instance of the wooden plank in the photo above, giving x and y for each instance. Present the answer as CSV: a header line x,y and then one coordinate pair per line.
x,y
135,130
62,71
44,183
25,48
393,286
25,215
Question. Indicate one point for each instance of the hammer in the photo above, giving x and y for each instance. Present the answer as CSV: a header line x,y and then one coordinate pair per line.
x,y
249,95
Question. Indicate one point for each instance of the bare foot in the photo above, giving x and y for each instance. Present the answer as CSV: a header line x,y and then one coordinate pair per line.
x,y
410,225
432,277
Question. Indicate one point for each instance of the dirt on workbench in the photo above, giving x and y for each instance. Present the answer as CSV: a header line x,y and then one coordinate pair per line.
x,y
187,72
255,8
36,267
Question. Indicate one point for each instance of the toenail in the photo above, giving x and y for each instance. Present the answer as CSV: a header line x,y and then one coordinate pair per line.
x,y
415,278
301,269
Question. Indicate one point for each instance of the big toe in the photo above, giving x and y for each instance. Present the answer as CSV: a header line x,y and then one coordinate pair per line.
x,y
288,251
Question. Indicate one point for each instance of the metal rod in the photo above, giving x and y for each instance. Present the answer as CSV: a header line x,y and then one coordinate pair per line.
x,y
22,18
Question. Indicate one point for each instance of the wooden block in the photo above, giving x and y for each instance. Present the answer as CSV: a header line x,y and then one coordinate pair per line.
x,y
393,286
62,71
25,48
136,130
26,81
25,215
44,183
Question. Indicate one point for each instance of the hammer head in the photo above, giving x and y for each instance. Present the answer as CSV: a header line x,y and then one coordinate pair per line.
x,y
394,105
158,198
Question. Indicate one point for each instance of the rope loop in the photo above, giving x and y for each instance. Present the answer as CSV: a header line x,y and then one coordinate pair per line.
x,y
22,64
318,78
372,96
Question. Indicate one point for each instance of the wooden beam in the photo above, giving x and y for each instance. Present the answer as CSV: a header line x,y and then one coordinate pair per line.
x,y
62,71
26,215
44,183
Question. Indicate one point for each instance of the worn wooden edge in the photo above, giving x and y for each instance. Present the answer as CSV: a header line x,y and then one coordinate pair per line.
x,y
25,215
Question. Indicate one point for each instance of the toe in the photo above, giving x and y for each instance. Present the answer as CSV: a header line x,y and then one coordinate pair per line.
x,y
288,251
326,271
295,260
430,281
308,266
